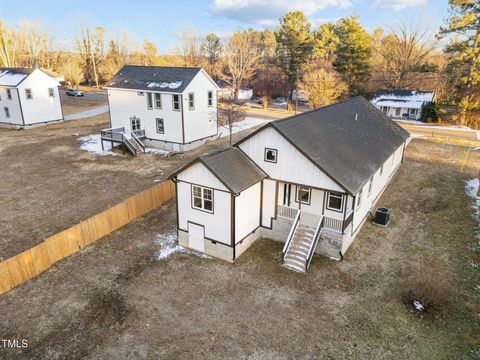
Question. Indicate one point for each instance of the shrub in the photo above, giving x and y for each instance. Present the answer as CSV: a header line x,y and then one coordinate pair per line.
x,y
430,113
430,283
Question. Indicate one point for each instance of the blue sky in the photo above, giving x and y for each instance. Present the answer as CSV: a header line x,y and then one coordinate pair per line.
x,y
162,21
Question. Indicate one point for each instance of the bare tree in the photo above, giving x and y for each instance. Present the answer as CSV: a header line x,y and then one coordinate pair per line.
x,y
230,112
323,87
150,53
72,71
8,46
90,45
190,49
242,54
404,52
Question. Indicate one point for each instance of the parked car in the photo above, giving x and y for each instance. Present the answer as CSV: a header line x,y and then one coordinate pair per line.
x,y
74,92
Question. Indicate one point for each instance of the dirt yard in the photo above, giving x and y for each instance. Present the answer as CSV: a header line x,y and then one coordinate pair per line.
x,y
47,183
115,300
72,105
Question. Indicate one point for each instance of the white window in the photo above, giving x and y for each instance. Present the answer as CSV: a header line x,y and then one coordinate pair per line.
x,y
397,111
158,101
370,185
28,94
359,198
140,93
176,102
210,98
202,198
135,123
270,155
9,94
7,112
149,101
51,92
303,195
160,126
413,111
335,201
191,101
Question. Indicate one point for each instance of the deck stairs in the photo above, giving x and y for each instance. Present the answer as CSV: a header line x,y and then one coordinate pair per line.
x,y
300,245
133,144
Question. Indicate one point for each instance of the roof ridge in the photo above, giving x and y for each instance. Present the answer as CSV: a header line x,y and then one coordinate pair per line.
x,y
165,67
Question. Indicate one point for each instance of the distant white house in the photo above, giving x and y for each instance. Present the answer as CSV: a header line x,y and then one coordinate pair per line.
x,y
172,108
28,97
309,180
402,104
226,91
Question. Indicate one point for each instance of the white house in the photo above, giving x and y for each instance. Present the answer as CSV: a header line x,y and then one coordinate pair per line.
x,y
402,104
28,97
309,180
226,91
173,108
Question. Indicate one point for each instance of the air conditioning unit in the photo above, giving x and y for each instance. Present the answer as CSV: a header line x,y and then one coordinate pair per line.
x,y
382,216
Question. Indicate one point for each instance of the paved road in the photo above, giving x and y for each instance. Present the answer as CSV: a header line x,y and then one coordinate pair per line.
x,y
431,130
88,113
90,95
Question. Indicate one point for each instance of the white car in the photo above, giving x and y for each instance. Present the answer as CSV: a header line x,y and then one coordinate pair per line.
x,y
74,92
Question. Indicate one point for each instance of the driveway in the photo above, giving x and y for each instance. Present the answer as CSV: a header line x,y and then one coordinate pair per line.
x,y
86,114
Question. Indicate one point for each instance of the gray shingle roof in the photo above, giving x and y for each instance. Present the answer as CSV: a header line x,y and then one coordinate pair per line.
x,y
13,76
153,78
234,169
350,151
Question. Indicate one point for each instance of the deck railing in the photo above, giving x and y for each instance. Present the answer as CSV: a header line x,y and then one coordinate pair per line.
x,y
314,243
113,134
139,134
333,224
286,212
137,140
348,220
290,234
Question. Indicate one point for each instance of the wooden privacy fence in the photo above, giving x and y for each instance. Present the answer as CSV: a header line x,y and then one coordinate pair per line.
x,y
30,263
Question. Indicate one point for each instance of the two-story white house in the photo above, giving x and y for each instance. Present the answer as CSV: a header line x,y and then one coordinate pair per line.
x,y
309,180
402,104
28,97
172,108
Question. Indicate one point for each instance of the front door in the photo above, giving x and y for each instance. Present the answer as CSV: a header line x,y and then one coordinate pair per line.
x,y
196,234
287,190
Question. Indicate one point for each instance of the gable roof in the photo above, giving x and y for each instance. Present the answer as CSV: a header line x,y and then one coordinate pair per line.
x,y
14,76
232,167
349,140
153,78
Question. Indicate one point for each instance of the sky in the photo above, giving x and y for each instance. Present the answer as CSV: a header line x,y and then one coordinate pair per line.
x,y
162,21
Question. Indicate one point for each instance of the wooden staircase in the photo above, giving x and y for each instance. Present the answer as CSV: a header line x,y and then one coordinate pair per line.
x,y
301,243
296,257
133,144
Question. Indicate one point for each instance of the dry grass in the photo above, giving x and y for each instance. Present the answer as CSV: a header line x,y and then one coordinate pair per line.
x,y
72,104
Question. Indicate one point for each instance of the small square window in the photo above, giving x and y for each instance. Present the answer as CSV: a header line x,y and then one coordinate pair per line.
x,y
28,94
202,198
135,122
51,92
303,195
335,201
140,93
271,155
160,126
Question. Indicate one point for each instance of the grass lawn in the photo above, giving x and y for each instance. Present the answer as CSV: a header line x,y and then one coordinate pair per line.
x,y
116,300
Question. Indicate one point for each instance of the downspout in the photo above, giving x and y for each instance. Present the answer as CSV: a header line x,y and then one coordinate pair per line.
x,y
232,225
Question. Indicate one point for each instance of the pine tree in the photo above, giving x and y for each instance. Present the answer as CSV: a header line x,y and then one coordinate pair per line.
x,y
464,49
294,45
212,49
353,53
326,41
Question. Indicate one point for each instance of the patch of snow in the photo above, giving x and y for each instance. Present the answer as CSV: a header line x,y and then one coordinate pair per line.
x,y
93,143
164,85
11,79
247,123
155,151
471,189
169,245
418,306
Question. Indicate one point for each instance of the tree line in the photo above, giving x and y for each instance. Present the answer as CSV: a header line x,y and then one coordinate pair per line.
x,y
329,62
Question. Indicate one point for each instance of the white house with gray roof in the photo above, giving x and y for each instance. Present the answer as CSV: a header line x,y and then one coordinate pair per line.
x,y
309,180
172,108
28,97
402,104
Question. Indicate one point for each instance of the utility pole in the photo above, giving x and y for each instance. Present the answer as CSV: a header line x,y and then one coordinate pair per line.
x,y
296,94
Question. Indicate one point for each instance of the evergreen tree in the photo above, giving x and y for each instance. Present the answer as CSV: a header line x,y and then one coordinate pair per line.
x,y
212,49
353,52
326,42
464,49
294,45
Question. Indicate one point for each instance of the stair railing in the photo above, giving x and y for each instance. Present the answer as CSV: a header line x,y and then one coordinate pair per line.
x,y
129,145
314,243
137,140
290,235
